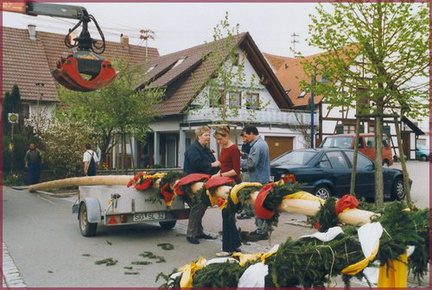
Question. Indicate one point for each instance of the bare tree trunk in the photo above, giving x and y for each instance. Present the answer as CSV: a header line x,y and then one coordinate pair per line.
x,y
123,156
403,163
354,168
132,155
379,181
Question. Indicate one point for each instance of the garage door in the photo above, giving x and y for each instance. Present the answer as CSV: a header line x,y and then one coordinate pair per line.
x,y
279,145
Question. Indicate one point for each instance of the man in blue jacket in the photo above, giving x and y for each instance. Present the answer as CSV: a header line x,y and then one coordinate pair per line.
x,y
257,163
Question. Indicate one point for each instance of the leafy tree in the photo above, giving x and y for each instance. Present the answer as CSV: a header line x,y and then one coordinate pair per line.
x,y
380,48
117,110
228,77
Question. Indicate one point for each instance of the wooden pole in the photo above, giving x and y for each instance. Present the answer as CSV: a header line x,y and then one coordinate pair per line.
x,y
300,206
85,180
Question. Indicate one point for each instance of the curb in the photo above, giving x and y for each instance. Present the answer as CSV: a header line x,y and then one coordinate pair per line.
x,y
11,274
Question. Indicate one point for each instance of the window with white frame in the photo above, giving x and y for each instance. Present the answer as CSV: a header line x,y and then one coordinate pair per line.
x,y
216,97
252,101
234,99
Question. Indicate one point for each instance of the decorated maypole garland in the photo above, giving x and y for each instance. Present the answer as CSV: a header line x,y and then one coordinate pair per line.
x,y
349,238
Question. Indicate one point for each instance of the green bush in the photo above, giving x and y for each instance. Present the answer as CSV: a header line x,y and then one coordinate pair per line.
x,y
64,148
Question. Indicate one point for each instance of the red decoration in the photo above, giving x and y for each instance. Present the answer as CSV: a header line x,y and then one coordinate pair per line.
x,y
218,181
347,201
220,202
144,185
168,196
194,177
260,211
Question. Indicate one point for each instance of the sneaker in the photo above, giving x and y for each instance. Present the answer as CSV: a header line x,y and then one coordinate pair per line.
x,y
223,254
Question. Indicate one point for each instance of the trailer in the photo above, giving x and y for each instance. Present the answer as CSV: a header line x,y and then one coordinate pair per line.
x,y
117,205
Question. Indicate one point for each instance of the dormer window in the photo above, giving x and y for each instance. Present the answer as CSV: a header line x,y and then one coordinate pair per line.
x,y
151,68
302,95
181,60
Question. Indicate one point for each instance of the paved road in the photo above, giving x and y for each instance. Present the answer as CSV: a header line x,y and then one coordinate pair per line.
x,y
43,239
420,174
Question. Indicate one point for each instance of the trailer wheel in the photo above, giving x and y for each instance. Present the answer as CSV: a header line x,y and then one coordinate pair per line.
x,y
87,229
168,225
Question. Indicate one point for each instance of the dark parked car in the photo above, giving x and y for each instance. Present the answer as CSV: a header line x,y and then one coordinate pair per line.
x,y
327,172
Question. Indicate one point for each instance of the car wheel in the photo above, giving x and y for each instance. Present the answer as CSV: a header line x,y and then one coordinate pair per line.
x,y
386,163
398,191
322,191
168,225
87,229
423,158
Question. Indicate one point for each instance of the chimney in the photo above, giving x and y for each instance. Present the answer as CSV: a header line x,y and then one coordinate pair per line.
x,y
124,40
32,31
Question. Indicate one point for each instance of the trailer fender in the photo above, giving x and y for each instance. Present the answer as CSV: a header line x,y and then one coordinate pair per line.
x,y
93,209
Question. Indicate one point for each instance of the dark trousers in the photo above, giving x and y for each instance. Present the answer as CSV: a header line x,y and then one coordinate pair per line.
x,y
33,172
230,235
197,211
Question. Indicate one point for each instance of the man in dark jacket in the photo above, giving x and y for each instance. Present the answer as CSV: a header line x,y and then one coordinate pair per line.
x,y
199,159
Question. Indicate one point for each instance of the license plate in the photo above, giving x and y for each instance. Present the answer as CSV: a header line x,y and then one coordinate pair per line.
x,y
149,216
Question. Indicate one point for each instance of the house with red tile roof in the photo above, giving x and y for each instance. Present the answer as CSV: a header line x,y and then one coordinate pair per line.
x,y
334,120
185,76
29,58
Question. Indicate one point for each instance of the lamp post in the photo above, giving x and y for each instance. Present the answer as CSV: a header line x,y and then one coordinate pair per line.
x,y
312,109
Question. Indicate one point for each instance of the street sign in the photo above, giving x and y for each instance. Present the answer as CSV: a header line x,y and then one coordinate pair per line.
x,y
13,118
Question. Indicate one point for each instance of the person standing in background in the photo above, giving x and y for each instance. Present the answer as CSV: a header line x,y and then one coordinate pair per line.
x,y
230,167
199,159
247,211
90,160
257,164
33,160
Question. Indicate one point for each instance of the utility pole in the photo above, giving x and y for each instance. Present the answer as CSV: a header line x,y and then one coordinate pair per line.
x,y
145,35
294,41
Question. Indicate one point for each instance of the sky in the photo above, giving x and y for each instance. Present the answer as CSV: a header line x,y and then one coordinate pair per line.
x,y
179,26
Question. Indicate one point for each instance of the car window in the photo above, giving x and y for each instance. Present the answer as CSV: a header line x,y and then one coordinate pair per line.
x,y
337,160
294,158
362,161
325,162
370,142
360,142
337,141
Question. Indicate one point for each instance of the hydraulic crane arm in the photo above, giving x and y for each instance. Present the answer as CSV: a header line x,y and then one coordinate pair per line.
x,y
82,61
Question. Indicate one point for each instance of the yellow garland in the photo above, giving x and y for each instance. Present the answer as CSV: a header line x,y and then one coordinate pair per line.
x,y
213,199
244,258
235,190
156,175
304,195
359,266
189,271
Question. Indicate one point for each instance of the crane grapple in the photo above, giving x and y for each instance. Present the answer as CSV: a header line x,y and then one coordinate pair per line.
x,y
84,70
